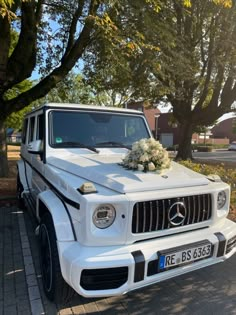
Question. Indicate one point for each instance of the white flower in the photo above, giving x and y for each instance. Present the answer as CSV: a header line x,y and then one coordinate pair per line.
x,y
143,158
151,166
144,147
147,155
140,167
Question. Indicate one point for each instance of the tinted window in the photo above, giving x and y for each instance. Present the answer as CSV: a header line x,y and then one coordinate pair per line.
x,y
40,128
31,132
24,131
96,129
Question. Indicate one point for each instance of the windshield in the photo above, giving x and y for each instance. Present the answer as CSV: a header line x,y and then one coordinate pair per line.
x,y
93,129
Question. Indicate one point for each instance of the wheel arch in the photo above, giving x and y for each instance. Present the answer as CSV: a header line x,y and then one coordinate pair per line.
x,y
47,201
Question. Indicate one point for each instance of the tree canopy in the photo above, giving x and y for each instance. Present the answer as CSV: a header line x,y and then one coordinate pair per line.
x,y
186,56
182,51
52,37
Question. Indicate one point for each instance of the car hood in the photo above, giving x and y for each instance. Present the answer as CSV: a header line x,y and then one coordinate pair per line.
x,y
104,170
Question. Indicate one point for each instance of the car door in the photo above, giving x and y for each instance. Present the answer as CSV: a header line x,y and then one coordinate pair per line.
x,y
38,183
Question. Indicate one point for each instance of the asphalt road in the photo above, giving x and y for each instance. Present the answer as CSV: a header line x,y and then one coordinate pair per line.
x,y
218,155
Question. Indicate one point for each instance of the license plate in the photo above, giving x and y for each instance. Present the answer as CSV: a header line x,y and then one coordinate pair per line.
x,y
184,255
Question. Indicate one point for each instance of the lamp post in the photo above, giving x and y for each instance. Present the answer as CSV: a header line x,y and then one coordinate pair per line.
x,y
156,125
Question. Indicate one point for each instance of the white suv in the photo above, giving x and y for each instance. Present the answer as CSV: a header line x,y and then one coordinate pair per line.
x,y
105,230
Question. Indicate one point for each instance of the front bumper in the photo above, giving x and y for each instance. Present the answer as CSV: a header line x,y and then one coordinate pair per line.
x,y
119,269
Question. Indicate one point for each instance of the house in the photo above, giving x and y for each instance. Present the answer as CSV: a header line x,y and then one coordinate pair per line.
x,y
13,135
225,129
166,130
160,123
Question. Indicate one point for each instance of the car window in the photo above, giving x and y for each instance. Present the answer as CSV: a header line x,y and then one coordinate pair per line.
x,y
24,131
96,129
31,130
40,127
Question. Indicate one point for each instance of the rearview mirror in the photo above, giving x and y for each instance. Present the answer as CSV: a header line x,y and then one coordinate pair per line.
x,y
35,147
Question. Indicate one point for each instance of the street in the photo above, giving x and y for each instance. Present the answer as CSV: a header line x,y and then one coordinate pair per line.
x,y
218,155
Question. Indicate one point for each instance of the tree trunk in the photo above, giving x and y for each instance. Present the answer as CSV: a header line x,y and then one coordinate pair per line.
x,y
185,142
3,151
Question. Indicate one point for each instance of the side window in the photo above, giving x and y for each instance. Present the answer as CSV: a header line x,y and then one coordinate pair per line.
x,y
24,131
31,131
40,128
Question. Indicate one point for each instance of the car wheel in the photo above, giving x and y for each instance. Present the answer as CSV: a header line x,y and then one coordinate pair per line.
x,y
55,287
19,191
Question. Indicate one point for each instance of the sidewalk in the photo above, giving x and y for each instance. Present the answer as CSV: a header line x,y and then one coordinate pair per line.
x,y
19,292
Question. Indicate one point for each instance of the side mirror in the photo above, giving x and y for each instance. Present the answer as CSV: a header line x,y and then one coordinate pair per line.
x,y
35,147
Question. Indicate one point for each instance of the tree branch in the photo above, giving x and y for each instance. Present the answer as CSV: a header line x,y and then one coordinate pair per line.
x,y
23,58
212,109
49,82
39,10
73,26
5,40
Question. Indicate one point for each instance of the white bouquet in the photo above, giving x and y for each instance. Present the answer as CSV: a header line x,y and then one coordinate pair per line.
x,y
147,155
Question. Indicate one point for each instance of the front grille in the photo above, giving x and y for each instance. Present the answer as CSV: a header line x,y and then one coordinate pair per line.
x,y
231,244
150,216
103,279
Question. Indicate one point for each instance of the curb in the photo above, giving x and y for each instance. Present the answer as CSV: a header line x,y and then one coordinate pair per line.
x,y
31,279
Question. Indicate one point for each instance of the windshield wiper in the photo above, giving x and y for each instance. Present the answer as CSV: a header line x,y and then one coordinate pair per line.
x,y
71,144
115,144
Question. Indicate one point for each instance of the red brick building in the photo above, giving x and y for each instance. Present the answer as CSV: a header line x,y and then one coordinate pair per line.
x,y
224,129
167,132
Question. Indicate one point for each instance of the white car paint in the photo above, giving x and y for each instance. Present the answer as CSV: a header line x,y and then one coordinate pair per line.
x,y
54,177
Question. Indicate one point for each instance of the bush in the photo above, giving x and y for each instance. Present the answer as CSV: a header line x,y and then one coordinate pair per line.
x,y
204,149
226,174
172,148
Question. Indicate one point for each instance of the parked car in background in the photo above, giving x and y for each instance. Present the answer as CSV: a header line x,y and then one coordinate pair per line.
x,y
232,146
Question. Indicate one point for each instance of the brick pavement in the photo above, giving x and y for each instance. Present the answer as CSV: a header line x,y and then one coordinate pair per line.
x,y
19,293
207,291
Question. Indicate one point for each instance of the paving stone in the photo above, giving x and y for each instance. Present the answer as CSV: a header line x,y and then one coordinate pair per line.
x,y
65,311
37,307
23,306
10,310
26,251
29,269
8,299
25,244
78,309
34,293
28,260
31,280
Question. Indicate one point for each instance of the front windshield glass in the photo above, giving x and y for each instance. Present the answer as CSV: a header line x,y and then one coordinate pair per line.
x,y
93,129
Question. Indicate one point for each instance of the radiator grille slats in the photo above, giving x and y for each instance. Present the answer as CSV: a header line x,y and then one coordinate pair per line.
x,y
151,216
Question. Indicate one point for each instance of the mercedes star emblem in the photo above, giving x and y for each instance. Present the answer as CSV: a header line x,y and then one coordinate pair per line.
x,y
177,213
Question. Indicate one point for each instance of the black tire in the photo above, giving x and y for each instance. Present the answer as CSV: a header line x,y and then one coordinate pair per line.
x,y
55,287
19,190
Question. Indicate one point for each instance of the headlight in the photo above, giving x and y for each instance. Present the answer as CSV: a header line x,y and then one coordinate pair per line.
x,y
221,199
104,216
